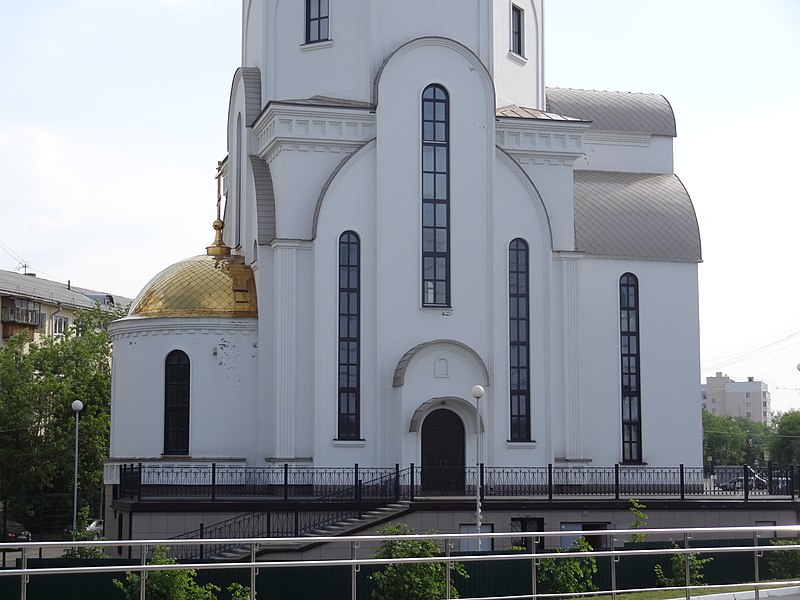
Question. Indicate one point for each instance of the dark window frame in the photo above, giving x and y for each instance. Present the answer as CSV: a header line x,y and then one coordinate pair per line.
x,y
630,369
317,21
177,391
517,30
349,337
519,341
435,188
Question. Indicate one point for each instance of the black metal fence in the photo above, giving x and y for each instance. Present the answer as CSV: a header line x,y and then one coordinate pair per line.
x,y
384,484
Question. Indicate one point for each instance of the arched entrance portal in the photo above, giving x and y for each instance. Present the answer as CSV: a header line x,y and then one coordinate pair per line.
x,y
443,452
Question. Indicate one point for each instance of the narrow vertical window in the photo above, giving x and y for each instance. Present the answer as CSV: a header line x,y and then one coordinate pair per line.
x,y
517,30
630,368
176,403
518,295
435,197
316,21
349,337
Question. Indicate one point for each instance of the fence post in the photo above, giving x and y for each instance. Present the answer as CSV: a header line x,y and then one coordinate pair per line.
x,y
285,481
616,481
269,523
213,481
202,545
296,523
355,482
140,482
411,482
483,488
396,482
769,477
683,484
746,482
791,479
549,481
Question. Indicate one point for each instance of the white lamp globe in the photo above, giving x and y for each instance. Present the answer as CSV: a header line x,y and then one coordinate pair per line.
x,y
77,406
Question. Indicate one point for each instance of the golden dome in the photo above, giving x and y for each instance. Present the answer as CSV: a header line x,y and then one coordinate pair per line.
x,y
202,286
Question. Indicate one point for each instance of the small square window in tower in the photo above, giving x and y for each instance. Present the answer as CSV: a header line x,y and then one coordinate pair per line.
x,y
517,30
317,16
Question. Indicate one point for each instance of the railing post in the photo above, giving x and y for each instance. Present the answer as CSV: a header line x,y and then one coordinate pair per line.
x,y
202,545
756,555
616,481
687,570
746,482
355,482
791,479
269,523
285,481
143,576
139,495
396,482
683,484
354,570
769,477
447,567
549,481
296,523
213,481
411,482
253,572
483,488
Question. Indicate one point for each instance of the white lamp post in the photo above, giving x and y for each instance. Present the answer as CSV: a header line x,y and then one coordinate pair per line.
x,y
477,393
77,406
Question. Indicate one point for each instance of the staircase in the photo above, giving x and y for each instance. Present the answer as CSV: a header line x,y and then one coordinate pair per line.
x,y
348,526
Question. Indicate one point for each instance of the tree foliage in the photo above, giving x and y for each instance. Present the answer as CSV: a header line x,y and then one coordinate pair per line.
x,y
639,520
734,440
678,570
572,575
81,534
419,581
38,383
171,584
784,564
785,445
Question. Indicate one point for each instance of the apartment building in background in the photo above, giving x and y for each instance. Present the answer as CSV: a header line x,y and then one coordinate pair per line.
x,y
723,396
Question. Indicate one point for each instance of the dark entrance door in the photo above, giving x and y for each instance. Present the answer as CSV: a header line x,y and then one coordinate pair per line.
x,y
443,453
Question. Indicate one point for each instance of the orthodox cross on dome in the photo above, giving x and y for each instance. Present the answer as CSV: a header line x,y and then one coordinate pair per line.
x,y
218,248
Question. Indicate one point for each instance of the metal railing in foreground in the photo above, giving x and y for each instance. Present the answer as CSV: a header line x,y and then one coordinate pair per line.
x,y
360,548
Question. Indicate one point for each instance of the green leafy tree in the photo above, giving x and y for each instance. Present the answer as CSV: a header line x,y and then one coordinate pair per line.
x,y
172,584
420,581
573,575
678,569
38,383
639,520
724,439
785,446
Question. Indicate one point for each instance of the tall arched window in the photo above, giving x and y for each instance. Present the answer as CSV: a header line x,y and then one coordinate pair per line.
x,y
349,427
518,334
435,197
630,369
176,403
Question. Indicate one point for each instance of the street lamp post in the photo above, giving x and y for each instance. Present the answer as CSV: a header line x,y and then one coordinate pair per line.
x,y
477,393
77,406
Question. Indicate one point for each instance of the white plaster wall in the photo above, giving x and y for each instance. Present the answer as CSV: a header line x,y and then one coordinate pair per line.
x,y
626,152
518,80
670,360
222,409
349,205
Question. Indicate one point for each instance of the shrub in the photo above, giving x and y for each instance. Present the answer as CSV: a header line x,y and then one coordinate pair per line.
x,y
421,581
784,564
569,575
678,568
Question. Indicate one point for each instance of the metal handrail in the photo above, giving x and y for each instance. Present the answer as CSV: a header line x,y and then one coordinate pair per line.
x,y
443,539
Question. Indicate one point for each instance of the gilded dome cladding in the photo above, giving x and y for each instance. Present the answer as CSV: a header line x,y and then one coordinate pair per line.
x,y
201,286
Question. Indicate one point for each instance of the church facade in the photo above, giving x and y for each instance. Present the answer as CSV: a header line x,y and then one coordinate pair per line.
x,y
408,213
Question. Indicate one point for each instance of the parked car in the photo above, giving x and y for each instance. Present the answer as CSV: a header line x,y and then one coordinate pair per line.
x,y
96,527
755,482
15,532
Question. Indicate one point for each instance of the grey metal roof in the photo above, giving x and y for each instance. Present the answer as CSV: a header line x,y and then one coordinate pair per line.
x,y
522,112
327,101
44,290
635,215
614,111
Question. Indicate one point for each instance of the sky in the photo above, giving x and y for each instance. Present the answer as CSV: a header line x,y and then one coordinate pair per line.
x,y
113,116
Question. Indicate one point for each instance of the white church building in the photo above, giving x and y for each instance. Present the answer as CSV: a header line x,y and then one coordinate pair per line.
x,y
409,212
